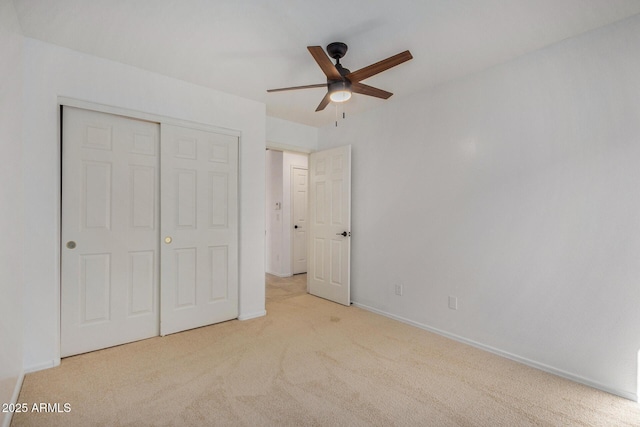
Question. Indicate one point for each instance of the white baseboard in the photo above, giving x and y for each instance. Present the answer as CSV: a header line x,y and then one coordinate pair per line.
x,y
252,315
279,274
42,366
507,355
14,399
6,422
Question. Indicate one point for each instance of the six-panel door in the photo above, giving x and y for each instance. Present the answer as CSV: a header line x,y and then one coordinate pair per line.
x,y
199,204
299,200
329,253
110,226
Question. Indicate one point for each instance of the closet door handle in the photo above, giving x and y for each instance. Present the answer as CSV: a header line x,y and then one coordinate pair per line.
x,y
168,240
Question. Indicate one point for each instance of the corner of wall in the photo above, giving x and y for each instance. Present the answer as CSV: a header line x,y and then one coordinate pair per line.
x,y
5,417
11,194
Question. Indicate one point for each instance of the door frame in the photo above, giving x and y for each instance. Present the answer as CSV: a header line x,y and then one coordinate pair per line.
x,y
275,146
150,117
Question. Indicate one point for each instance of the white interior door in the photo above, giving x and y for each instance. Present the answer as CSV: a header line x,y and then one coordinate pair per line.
x,y
199,203
110,220
299,191
329,253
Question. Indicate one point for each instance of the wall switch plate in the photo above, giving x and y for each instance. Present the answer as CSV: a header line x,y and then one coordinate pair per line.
x,y
453,303
399,289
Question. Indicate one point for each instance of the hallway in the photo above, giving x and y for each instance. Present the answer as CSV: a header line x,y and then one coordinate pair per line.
x,y
282,288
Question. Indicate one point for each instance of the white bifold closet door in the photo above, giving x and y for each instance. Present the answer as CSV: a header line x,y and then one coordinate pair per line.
x,y
128,184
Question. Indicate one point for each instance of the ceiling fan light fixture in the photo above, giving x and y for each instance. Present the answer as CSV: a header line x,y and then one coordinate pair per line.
x,y
340,96
340,91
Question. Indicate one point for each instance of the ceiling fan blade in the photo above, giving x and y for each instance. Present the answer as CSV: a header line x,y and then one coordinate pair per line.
x,y
325,101
364,89
324,62
378,67
297,87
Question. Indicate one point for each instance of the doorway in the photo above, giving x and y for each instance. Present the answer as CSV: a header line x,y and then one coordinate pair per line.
x,y
324,216
286,211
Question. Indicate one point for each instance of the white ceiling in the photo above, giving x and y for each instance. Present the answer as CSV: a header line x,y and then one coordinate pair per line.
x,y
245,47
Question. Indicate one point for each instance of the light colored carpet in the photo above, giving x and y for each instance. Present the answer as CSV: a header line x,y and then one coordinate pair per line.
x,y
281,288
311,362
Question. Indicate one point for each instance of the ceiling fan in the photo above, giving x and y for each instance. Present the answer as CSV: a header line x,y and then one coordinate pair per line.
x,y
341,82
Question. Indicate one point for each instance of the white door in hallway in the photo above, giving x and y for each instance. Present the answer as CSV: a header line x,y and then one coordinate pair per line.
x,y
329,252
110,226
199,223
299,190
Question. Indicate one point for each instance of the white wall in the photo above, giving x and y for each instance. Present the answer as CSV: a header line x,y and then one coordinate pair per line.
x,y
516,190
286,135
11,205
274,215
51,71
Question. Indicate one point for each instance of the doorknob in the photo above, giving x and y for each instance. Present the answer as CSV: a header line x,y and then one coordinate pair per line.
x,y
295,226
71,244
168,240
344,234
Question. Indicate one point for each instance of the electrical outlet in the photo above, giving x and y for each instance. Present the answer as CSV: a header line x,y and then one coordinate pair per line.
x,y
453,303
399,289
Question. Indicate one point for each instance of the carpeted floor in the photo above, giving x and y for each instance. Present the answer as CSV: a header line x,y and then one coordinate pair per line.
x,y
310,362
281,288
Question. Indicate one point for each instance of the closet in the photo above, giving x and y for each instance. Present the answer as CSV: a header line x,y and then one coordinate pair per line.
x,y
149,228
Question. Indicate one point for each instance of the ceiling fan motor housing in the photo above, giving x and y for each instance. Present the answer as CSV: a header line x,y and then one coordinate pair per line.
x,y
337,50
339,85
